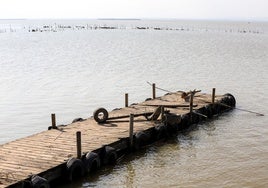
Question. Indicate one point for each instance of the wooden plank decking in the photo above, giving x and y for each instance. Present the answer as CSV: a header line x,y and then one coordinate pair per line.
x,y
38,153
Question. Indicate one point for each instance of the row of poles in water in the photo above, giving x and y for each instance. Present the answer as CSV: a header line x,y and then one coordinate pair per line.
x,y
58,27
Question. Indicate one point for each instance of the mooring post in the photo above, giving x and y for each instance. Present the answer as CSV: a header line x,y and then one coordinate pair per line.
x,y
191,106
53,121
213,96
131,125
153,87
126,99
78,144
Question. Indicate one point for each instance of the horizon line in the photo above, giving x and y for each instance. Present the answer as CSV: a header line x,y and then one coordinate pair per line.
x,y
139,19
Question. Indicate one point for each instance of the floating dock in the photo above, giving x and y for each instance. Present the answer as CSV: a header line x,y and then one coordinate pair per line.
x,y
70,151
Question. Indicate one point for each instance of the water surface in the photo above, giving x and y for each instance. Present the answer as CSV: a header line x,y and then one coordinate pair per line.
x,y
72,72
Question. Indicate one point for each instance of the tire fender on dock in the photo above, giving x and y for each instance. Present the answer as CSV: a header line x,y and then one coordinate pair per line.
x,y
172,120
26,184
108,155
91,162
195,117
77,120
216,109
208,111
75,169
202,111
160,131
140,139
39,182
185,121
231,99
225,101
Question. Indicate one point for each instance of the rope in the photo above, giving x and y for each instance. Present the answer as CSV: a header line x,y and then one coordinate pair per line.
x,y
257,113
200,114
162,88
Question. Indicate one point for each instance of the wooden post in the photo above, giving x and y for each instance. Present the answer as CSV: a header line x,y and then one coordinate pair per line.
x,y
213,96
53,121
153,85
126,99
162,113
131,125
78,144
191,106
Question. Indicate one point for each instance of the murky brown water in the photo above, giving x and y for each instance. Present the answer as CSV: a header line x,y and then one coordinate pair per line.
x,y
71,73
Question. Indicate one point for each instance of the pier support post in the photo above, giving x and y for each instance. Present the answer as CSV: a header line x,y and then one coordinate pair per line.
x,y
78,144
162,113
153,87
53,121
191,106
131,125
126,99
213,96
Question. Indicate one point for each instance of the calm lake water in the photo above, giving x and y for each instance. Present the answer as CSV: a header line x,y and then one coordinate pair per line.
x,y
74,67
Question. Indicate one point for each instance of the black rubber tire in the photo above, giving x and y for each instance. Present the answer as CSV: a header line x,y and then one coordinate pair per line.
x,y
148,99
216,109
172,122
225,101
185,121
202,111
140,139
75,169
98,112
160,131
232,101
172,119
91,162
195,117
208,111
26,184
39,182
109,155
77,120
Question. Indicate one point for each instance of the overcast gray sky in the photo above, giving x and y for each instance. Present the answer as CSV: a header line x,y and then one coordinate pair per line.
x,y
181,9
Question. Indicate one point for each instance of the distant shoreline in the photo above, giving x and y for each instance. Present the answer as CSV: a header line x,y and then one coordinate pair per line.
x,y
118,19
14,19
141,19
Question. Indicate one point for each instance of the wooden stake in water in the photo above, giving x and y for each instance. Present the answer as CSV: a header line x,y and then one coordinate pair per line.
x,y
126,99
131,126
78,144
53,121
153,87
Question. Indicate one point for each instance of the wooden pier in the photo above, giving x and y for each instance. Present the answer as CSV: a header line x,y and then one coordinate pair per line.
x,y
62,151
